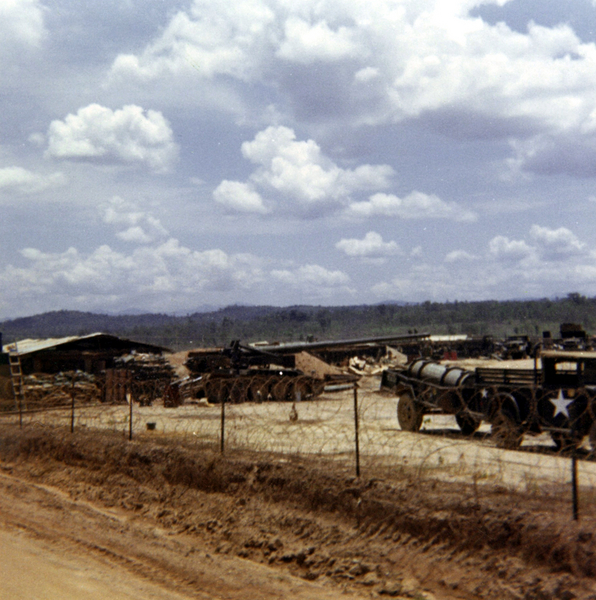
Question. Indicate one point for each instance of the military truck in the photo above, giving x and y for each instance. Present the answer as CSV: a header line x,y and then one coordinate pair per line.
x,y
557,396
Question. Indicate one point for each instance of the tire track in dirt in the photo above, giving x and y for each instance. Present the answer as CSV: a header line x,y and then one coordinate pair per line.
x,y
173,564
54,573
190,513
48,514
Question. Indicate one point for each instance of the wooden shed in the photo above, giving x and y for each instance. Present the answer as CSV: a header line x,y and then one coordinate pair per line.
x,y
91,353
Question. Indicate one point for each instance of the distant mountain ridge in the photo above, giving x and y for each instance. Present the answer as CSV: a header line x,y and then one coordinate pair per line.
x,y
296,323
64,323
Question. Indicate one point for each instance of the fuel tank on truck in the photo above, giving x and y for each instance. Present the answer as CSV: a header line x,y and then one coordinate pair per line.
x,y
439,374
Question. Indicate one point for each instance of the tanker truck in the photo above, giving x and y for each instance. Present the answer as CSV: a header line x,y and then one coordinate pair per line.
x,y
557,396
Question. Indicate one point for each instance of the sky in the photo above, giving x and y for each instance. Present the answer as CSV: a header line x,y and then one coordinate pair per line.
x,y
167,155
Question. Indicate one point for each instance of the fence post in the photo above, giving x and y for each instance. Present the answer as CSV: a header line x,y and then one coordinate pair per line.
x,y
223,422
129,398
574,494
356,431
72,407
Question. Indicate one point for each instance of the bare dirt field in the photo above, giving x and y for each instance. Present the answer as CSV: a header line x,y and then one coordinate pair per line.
x,y
281,514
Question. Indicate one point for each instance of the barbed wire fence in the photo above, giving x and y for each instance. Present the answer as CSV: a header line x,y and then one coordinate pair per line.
x,y
355,427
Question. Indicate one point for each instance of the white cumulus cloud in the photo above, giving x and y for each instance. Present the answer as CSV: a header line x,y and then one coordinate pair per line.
x,y
306,42
151,276
313,281
298,174
502,247
459,256
27,182
21,23
430,55
128,135
135,225
545,246
154,276
371,246
211,38
555,243
240,197
299,168
383,62
157,272
415,205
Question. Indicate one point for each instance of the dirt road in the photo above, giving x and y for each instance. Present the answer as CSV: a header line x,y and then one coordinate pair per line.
x,y
91,515
435,516
53,547
35,568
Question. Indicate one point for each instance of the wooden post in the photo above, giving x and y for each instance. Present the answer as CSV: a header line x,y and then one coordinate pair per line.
x,y
574,495
129,398
356,430
223,421
72,408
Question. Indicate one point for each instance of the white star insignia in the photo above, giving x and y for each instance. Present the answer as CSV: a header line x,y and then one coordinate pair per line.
x,y
561,403
484,393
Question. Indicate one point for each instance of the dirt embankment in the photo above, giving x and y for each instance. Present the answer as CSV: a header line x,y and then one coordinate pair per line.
x,y
401,537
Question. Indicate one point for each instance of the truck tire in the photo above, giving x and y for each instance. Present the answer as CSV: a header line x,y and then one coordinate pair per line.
x,y
504,418
505,427
505,431
409,414
467,424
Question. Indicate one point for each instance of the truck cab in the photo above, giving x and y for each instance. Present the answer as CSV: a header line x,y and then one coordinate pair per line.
x,y
567,398
568,369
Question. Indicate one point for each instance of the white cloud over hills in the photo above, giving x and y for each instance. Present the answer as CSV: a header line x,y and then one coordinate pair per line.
x,y
371,247
167,154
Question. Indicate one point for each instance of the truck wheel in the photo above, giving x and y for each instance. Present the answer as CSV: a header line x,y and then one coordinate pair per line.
x,y
409,415
505,431
467,424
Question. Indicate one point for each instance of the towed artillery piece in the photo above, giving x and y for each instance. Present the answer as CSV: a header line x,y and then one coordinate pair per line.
x,y
559,397
277,372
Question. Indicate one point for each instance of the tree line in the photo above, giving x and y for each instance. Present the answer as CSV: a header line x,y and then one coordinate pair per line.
x,y
300,323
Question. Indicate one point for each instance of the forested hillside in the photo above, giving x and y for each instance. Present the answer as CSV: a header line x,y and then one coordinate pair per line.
x,y
269,323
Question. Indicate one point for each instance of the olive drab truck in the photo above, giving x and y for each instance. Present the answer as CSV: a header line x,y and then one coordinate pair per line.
x,y
557,396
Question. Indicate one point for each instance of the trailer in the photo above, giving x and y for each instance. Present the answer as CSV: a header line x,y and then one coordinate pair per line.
x,y
557,395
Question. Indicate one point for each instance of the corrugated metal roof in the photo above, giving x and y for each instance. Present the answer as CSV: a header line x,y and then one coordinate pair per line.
x,y
30,346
